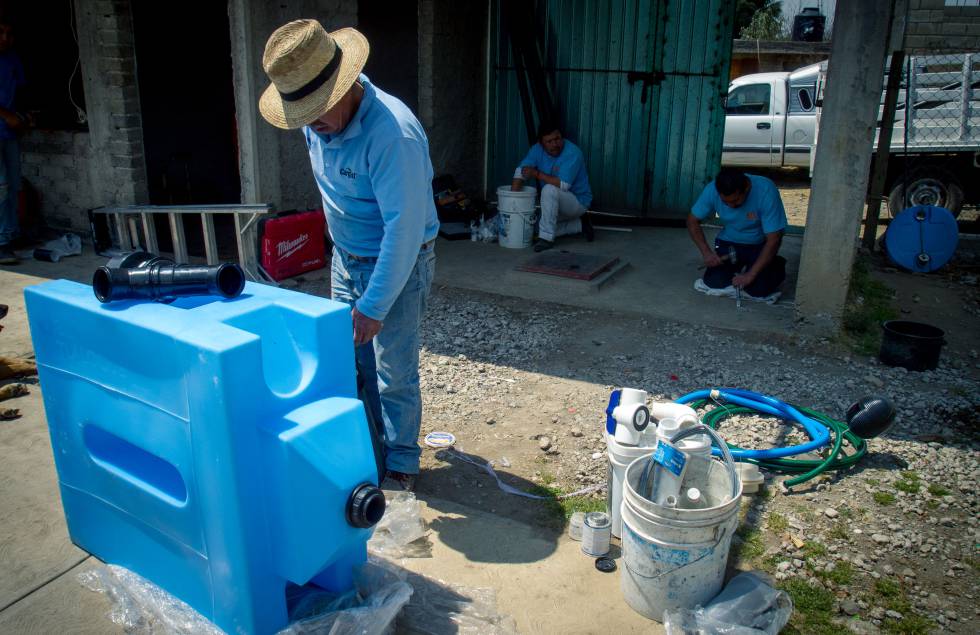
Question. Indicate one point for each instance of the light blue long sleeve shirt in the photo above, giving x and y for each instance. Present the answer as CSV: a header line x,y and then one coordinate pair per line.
x,y
375,178
569,167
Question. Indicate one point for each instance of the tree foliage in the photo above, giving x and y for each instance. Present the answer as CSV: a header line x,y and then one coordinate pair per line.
x,y
759,19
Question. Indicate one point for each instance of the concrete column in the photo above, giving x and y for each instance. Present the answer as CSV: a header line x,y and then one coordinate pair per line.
x,y
843,159
273,163
258,147
105,47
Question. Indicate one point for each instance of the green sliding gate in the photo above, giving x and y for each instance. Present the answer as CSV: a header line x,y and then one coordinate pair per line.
x,y
638,85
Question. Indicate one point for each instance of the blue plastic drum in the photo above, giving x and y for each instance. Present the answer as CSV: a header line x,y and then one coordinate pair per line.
x,y
922,238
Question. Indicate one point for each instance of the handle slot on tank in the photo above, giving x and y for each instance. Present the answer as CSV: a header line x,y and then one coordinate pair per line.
x,y
144,275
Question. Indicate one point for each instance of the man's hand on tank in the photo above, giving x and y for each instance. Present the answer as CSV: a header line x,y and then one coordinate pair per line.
x,y
364,327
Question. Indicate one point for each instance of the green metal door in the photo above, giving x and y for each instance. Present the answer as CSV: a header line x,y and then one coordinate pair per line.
x,y
688,118
637,85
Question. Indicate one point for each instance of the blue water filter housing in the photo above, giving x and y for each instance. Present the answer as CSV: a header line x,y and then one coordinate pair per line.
x,y
211,446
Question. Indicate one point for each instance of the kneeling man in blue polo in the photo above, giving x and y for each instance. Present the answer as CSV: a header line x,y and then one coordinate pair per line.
x,y
754,221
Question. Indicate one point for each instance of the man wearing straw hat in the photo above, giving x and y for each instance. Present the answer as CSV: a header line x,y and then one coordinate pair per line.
x,y
370,159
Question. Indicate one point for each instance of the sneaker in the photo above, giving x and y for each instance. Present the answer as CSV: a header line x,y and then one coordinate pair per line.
x,y
7,256
398,482
541,244
587,228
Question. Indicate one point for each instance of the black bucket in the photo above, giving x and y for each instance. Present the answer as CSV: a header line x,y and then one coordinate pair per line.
x,y
911,345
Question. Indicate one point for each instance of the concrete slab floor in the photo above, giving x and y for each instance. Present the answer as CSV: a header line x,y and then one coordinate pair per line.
x,y
663,267
538,576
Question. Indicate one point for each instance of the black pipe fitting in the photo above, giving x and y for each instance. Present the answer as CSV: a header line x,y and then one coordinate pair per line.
x,y
144,275
870,416
366,506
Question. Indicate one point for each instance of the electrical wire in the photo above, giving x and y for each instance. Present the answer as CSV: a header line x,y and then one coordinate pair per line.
x,y
79,111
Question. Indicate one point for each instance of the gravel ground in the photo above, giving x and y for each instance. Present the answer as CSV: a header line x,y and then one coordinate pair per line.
x,y
892,543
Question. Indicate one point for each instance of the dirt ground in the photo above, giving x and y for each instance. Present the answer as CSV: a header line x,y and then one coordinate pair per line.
x,y
525,388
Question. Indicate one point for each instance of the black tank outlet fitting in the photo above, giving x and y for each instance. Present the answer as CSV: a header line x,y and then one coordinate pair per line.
x,y
366,506
144,275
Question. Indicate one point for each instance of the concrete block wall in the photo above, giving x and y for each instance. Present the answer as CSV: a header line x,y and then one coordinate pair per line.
x,y
114,154
76,171
56,165
274,163
452,87
934,27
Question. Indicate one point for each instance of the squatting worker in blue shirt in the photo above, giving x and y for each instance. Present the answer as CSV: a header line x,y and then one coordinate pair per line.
x,y
559,167
754,220
11,123
370,158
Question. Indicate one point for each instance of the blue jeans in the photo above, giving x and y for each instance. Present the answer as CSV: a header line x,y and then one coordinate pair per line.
x,y
389,364
9,188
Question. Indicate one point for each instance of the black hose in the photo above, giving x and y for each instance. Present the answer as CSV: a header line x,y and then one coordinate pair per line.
x,y
142,275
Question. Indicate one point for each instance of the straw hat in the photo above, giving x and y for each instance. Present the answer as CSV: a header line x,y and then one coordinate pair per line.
x,y
310,71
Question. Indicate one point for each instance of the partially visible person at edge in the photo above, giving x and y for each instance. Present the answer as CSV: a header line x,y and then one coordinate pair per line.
x,y
370,159
751,211
11,123
559,166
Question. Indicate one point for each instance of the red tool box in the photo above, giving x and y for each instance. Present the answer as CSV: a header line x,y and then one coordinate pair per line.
x,y
292,243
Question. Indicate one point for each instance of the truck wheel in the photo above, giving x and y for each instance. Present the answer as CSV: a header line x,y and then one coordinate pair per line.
x,y
926,187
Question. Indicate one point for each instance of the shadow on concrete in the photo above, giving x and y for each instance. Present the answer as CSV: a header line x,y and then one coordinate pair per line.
x,y
434,608
458,485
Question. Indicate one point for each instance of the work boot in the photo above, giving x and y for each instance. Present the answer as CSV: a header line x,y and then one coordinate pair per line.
x,y
541,244
7,256
587,228
398,482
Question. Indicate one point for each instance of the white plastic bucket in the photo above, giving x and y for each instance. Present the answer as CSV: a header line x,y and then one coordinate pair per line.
x,y
620,457
675,558
516,211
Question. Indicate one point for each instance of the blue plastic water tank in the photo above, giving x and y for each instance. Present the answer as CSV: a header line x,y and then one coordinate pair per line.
x,y
209,445
922,238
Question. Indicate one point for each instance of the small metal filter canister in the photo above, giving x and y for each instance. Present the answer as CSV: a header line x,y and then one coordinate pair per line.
x,y
596,531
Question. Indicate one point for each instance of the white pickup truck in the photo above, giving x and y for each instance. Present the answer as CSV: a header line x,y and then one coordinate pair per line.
x,y
772,120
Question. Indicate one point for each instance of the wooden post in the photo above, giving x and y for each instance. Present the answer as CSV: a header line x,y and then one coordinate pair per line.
x,y
878,184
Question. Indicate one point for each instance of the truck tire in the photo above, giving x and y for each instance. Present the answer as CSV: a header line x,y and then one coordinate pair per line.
x,y
926,187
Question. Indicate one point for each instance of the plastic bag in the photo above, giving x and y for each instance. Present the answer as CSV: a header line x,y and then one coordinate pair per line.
x,y
55,250
140,606
748,605
384,596
371,607
401,532
485,230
